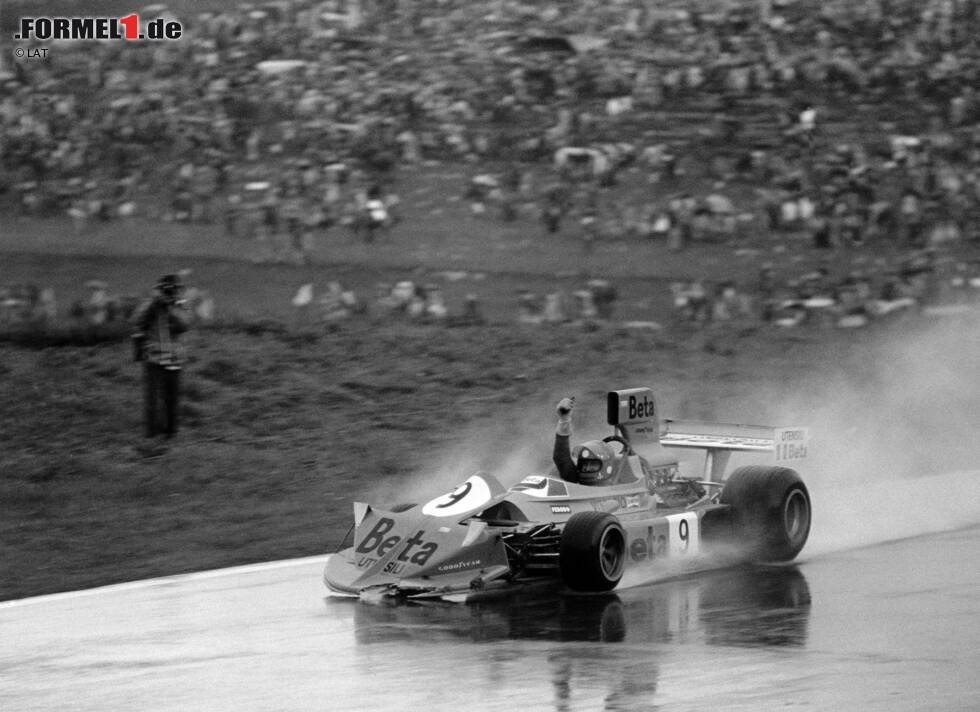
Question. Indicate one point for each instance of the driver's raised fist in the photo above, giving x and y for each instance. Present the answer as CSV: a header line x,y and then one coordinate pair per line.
x,y
565,406
564,409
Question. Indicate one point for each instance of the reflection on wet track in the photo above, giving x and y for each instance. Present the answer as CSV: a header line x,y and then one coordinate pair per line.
x,y
888,627
718,608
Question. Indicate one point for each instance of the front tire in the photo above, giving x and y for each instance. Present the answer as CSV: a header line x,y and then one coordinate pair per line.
x,y
592,552
770,511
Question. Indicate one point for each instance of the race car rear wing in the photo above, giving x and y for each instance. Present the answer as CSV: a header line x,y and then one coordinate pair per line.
x,y
731,436
635,415
722,439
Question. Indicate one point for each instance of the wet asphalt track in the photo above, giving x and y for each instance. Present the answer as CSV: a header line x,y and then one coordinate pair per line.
x,y
894,626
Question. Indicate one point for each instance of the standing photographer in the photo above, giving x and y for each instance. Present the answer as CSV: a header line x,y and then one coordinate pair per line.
x,y
160,322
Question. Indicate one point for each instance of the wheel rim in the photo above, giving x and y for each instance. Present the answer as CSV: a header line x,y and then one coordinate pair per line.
x,y
611,553
796,515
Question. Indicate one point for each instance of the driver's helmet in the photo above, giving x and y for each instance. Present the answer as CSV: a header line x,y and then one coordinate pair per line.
x,y
594,461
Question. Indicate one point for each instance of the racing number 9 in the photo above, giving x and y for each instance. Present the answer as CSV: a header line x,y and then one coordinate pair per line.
x,y
456,495
684,532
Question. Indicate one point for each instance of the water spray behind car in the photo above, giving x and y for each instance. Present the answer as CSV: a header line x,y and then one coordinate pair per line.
x,y
895,444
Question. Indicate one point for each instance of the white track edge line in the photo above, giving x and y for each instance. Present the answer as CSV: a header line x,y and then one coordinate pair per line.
x,y
164,580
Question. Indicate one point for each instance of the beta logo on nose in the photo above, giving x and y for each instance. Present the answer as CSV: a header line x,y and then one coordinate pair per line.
x,y
418,550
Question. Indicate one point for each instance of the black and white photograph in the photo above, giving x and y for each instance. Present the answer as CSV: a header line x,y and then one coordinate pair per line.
x,y
441,355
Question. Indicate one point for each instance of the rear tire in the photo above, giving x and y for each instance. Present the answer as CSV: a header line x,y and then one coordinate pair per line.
x,y
592,552
770,511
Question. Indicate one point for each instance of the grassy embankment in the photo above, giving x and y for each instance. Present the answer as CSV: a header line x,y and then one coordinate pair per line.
x,y
284,427
285,424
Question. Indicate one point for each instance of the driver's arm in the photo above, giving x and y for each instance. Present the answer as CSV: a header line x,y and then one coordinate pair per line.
x,y
562,457
562,454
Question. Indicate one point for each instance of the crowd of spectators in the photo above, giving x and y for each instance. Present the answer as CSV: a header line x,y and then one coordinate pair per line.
x,y
32,305
849,124
308,102
922,281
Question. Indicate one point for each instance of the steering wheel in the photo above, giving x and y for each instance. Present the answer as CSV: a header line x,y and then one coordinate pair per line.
x,y
618,439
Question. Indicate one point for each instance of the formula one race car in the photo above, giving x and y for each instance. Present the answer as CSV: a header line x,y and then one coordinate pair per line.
x,y
482,537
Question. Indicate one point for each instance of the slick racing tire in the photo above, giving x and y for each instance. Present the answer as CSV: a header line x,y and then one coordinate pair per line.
x,y
770,511
592,552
